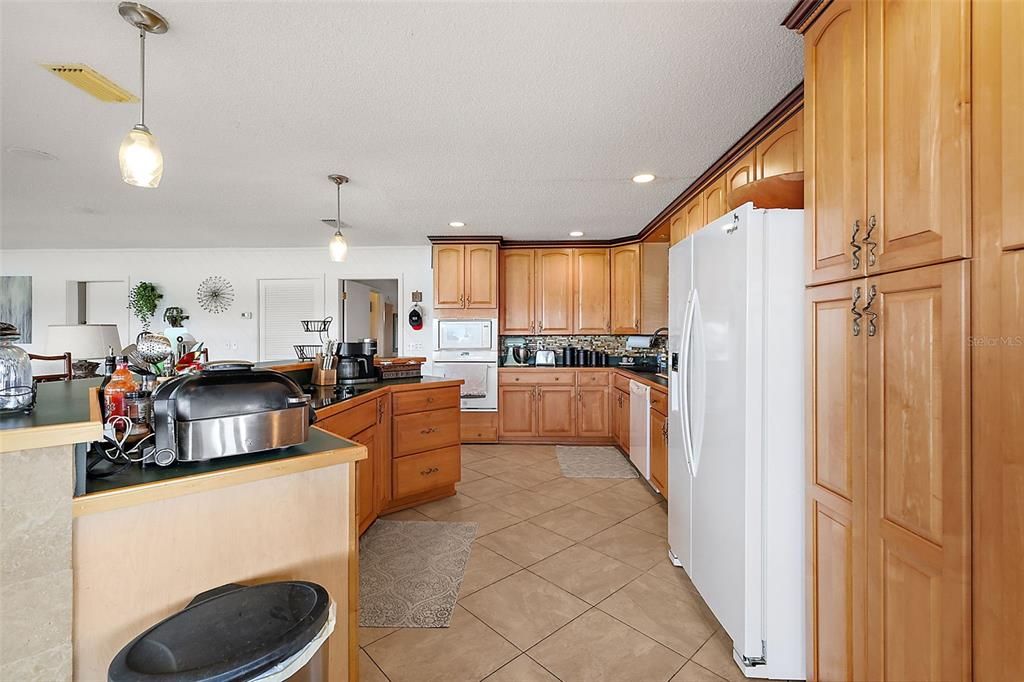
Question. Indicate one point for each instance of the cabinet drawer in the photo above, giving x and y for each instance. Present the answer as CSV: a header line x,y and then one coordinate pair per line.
x,y
352,421
594,377
426,471
621,382
423,431
538,376
405,402
659,402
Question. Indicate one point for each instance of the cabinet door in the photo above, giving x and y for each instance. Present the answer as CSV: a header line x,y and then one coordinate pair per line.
x,y
834,122
481,276
659,453
919,183
622,419
918,475
613,415
591,291
593,414
517,411
677,226
554,291
517,293
556,411
626,298
1011,110
715,205
835,442
695,214
366,483
740,173
782,151
449,276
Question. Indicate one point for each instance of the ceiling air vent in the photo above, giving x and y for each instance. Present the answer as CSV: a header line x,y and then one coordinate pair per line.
x,y
93,82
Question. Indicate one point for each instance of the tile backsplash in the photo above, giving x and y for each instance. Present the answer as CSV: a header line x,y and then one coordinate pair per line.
x,y
612,345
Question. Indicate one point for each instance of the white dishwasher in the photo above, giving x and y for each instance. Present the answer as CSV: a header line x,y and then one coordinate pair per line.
x,y
640,427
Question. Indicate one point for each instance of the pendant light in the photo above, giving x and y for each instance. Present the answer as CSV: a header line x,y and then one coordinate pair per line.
x,y
338,247
142,164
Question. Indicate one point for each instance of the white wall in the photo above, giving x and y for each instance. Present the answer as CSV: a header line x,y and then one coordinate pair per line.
x,y
178,272
357,311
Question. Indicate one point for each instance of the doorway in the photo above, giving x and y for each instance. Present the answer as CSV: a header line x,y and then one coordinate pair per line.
x,y
368,312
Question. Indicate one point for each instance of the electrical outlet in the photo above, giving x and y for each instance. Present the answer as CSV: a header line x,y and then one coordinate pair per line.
x,y
246,316
416,347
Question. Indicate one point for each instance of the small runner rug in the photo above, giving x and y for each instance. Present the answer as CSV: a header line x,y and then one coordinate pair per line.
x,y
593,462
410,572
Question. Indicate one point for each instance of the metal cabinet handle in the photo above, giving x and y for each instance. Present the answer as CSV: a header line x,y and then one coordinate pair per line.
x,y
636,325
856,313
429,431
427,472
872,245
430,399
855,256
540,327
872,315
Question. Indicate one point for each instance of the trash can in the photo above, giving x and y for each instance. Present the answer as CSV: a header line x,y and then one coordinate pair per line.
x,y
267,632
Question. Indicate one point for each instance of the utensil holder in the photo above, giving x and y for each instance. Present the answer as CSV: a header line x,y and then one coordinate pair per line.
x,y
321,376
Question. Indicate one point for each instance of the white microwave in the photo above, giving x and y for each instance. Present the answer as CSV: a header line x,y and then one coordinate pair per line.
x,y
478,335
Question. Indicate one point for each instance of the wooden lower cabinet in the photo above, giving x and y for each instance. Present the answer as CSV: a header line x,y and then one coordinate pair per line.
x,y
659,452
592,413
620,408
517,413
556,411
479,427
420,473
889,477
367,503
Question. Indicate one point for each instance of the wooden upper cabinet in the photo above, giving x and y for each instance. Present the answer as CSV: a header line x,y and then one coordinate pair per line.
x,y
835,442
715,204
918,525
677,226
835,143
782,151
517,292
695,214
554,284
653,286
1011,109
449,275
625,291
481,289
741,173
918,123
591,292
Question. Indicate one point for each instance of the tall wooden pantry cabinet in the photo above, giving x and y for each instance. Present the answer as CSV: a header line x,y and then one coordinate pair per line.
x,y
887,147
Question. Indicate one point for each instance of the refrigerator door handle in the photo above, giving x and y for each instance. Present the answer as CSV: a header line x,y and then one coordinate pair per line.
x,y
696,379
684,384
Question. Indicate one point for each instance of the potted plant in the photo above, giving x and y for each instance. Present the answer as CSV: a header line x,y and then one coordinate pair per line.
x,y
142,301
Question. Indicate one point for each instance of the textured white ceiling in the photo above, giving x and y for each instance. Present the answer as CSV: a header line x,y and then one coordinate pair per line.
x,y
520,119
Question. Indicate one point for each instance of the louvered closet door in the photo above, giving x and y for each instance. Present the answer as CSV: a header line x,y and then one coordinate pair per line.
x,y
284,303
918,475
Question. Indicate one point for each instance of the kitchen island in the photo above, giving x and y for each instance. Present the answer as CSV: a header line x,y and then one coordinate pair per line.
x,y
144,542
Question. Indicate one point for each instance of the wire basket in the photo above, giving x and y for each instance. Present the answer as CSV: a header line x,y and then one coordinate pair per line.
x,y
317,326
307,351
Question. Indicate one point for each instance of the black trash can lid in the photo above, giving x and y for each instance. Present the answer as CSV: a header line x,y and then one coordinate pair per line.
x,y
230,633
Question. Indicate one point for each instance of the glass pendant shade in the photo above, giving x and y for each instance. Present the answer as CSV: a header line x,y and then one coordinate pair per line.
x,y
142,164
338,247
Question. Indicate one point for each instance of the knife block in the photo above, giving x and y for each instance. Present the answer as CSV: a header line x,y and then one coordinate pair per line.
x,y
321,376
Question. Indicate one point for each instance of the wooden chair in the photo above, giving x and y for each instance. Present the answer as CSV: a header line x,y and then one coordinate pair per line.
x,y
63,376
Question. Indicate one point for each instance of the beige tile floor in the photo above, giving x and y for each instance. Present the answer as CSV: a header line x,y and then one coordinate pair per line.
x,y
569,580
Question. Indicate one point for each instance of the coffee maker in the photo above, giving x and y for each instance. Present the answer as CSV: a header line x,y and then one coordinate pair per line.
x,y
355,362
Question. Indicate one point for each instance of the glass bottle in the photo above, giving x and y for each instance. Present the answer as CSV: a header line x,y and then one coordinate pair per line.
x,y
15,372
121,382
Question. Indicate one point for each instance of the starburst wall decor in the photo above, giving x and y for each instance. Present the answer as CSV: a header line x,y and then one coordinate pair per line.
x,y
215,294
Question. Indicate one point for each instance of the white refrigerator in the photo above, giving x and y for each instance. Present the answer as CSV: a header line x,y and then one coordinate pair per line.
x,y
736,401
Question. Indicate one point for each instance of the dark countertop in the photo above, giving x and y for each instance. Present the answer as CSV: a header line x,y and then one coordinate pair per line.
x,y
325,396
57,402
135,475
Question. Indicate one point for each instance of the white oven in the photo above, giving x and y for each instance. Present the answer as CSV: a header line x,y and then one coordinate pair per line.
x,y
468,350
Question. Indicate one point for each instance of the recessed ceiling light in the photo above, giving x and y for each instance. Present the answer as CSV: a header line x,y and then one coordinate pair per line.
x,y
456,223
575,233
643,178
29,153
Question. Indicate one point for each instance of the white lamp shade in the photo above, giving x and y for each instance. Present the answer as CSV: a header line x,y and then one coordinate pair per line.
x,y
338,248
83,341
142,163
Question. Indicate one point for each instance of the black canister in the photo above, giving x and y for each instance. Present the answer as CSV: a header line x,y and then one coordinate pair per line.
x,y
568,356
588,357
600,358
579,357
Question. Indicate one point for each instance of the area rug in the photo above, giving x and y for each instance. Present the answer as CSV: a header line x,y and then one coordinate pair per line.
x,y
593,462
410,572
